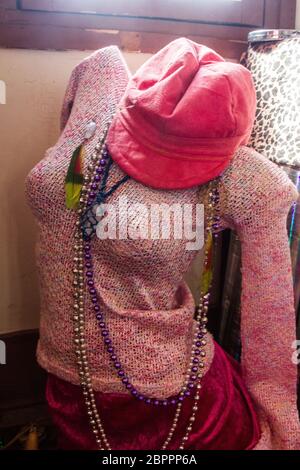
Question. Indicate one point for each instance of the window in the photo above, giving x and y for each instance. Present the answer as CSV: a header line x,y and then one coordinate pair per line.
x,y
249,12
139,25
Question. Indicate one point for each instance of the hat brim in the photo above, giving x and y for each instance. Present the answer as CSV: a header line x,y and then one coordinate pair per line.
x,y
157,170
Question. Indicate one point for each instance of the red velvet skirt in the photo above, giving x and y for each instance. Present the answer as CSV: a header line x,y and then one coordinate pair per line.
x,y
226,418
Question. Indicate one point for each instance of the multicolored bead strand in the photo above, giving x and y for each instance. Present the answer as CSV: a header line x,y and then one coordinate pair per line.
x,y
212,226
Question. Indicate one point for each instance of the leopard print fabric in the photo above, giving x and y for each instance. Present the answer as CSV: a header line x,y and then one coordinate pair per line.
x,y
276,72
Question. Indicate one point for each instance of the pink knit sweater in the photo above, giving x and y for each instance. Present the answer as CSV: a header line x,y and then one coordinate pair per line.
x,y
148,306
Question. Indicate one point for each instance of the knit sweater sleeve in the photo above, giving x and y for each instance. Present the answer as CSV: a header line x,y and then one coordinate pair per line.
x,y
256,196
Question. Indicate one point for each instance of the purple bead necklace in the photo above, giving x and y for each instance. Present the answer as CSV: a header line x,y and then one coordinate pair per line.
x,y
84,282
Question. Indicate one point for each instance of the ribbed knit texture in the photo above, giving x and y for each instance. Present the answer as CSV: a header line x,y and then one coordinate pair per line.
x,y
148,307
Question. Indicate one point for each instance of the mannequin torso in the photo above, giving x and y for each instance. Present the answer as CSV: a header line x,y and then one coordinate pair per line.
x,y
140,281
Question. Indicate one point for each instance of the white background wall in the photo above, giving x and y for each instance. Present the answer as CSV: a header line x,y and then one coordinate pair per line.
x,y
298,15
35,85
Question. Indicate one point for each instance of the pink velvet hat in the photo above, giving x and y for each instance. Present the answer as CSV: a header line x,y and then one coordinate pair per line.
x,y
182,117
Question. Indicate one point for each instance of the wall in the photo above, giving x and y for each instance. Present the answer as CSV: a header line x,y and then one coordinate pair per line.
x,y
297,26
35,84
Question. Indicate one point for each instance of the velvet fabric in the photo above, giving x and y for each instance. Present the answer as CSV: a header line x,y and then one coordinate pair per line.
x,y
226,418
182,117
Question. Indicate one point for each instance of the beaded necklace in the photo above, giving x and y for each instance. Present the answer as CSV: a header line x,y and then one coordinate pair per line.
x,y
88,218
92,193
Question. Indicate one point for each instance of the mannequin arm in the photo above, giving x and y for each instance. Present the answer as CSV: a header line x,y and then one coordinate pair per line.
x,y
258,198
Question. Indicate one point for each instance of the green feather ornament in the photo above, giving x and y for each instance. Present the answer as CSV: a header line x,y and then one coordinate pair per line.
x,y
74,178
207,274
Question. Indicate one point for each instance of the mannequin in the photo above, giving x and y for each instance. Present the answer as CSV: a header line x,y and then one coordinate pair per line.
x,y
255,197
